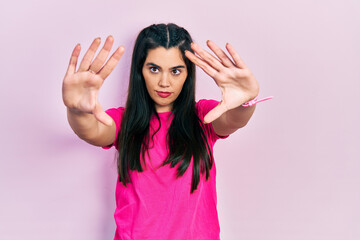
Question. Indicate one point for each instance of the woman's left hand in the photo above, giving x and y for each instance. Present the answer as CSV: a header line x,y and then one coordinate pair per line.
x,y
235,80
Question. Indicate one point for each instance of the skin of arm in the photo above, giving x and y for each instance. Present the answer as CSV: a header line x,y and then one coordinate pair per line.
x,y
80,93
89,129
232,120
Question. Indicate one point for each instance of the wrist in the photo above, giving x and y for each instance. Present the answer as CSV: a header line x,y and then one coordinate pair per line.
x,y
255,101
77,112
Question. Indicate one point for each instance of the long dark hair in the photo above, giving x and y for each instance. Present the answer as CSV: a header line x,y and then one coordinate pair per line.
x,y
186,137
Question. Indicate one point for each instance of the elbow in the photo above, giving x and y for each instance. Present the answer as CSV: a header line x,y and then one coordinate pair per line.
x,y
238,124
241,125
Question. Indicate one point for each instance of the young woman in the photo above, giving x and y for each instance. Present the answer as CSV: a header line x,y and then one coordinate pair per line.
x,y
166,187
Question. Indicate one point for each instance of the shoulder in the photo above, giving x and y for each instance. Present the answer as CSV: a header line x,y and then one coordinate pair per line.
x,y
118,110
116,113
203,106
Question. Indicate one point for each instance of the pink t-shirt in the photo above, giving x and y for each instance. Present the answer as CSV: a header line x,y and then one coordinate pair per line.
x,y
156,205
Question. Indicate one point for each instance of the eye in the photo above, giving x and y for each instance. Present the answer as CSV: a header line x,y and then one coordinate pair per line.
x,y
176,71
154,69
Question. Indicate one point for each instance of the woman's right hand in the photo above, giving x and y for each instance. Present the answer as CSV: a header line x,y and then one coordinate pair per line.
x,y
81,88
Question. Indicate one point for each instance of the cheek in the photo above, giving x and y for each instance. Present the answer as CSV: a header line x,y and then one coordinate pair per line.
x,y
180,84
147,80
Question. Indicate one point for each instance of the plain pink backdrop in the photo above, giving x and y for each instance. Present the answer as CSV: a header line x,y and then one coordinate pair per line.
x,y
291,173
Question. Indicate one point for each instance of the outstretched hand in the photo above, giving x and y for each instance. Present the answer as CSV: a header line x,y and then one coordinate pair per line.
x,y
235,80
81,88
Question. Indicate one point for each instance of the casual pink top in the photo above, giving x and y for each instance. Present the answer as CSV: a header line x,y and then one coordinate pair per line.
x,y
156,205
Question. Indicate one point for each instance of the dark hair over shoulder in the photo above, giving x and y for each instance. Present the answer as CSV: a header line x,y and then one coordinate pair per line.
x,y
186,137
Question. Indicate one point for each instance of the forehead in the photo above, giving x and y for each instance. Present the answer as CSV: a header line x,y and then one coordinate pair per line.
x,y
165,58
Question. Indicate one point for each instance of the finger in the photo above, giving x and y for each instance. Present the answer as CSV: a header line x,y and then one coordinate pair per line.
x,y
89,55
73,60
207,57
101,116
111,63
238,61
215,113
103,54
201,63
220,54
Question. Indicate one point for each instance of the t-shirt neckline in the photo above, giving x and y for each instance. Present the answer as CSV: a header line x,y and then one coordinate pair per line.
x,y
163,114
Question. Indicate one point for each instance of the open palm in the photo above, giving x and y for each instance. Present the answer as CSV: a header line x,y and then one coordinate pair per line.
x,y
235,80
81,88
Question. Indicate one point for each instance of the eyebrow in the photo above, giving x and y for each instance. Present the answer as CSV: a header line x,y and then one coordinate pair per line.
x,y
154,65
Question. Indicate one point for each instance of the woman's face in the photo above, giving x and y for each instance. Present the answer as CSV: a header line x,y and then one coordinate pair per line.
x,y
165,73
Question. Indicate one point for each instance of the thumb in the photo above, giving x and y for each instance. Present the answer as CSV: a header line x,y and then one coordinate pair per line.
x,y
215,113
101,116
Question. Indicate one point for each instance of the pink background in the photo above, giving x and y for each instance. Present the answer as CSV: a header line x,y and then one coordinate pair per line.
x,y
291,173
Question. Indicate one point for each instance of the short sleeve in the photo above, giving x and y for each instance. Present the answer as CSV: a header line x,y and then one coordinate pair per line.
x,y
116,114
203,107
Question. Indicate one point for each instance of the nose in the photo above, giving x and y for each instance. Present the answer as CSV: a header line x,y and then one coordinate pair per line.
x,y
164,80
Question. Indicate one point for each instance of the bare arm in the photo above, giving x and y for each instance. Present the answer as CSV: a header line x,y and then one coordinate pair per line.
x,y
232,120
89,129
80,93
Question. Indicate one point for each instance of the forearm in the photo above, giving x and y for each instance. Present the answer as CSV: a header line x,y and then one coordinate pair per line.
x,y
85,125
238,117
232,120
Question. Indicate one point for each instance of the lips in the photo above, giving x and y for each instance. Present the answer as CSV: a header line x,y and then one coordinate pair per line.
x,y
163,94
